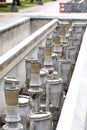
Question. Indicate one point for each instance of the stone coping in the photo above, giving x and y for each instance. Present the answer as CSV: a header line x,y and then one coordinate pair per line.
x,y
16,54
13,23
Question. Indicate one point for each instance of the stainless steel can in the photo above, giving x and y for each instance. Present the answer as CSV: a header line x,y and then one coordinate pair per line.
x,y
43,77
24,109
41,121
53,91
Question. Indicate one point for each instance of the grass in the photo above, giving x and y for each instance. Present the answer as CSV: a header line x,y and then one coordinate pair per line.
x,y
24,4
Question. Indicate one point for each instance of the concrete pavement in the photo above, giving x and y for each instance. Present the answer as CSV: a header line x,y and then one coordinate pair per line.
x,y
47,9
50,9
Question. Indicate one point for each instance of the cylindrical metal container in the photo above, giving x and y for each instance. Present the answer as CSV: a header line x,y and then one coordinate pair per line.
x,y
64,71
43,76
48,56
56,32
28,70
24,110
35,81
56,41
41,55
41,121
11,96
53,92
63,32
35,96
49,42
57,47
78,30
54,60
77,44
64,48
71,54
12,109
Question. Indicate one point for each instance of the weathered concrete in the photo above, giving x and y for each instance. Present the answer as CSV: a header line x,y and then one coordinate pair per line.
x,y
13,32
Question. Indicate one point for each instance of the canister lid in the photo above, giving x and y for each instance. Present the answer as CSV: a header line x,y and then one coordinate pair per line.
x,y
40,116
64,61
50,68
54,54
35,91
43,72
11,79
30,59
54,81
23,99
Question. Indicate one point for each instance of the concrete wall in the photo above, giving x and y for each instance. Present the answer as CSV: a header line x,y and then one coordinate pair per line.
x,y
15,31
36,24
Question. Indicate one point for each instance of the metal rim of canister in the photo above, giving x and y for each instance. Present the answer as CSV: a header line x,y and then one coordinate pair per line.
x,y
30,59
43,72
11,80
25,100
54,54
50,68
35,91
65,61
54,81
40,116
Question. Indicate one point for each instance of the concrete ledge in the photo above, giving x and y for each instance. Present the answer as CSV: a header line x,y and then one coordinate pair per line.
x,y
13,32
16,54
73,113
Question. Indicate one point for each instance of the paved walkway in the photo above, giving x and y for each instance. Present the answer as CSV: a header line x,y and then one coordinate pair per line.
x,y
50,9
47,9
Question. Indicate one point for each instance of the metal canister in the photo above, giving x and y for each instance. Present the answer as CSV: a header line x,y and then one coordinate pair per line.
x,y
41,55
12,110
35,81
35,96
49,42
56,42
24,110
53,92
48,56
77,44
71,54
64,71
11,96
41,121
28,69
54,60
43,77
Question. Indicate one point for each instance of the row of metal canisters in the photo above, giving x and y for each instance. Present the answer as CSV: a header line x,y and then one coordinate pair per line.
x,y
47,81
